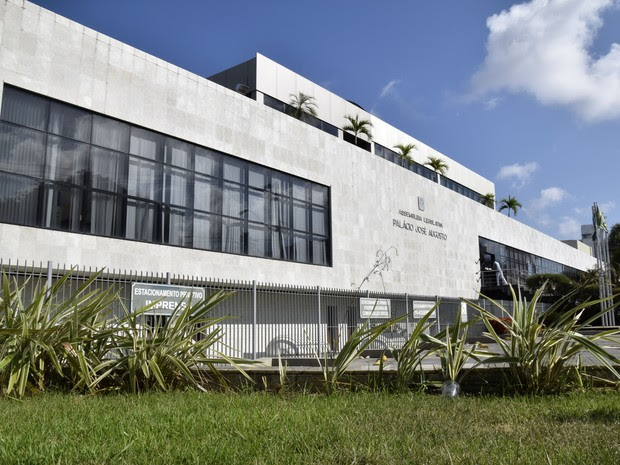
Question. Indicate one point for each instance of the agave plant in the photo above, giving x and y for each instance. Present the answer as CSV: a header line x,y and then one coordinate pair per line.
x,y
409,358
358,342
50,341
452,347
169,356
543,356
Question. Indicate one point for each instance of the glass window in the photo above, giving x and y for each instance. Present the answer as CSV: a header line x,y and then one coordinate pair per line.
x,y
108,170
106,215
281,244
208,162
301,215
281,184
177,227
142,221
301,189
234,170
146,144
144,179
319,251
110,133
22,150
178,183
258,240
319,221
178,153
207,194
258,203
70,121
258,177
319,195
302,247
65,209
67,160
24,108
233,233
233,200
207,231
19,199
280,211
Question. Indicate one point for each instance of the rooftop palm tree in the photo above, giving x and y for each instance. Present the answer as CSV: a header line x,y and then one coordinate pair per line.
x,y
437,164
488,200
358,126
404,151
510,204
303,105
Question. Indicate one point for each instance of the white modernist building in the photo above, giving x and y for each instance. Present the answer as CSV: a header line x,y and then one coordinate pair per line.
x,y
110,157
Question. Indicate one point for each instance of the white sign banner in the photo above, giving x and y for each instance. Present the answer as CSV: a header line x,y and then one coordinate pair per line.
x,y
422,307
167,297
375,308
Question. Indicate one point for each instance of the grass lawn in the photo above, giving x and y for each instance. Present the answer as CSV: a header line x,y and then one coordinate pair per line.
x,y
362,428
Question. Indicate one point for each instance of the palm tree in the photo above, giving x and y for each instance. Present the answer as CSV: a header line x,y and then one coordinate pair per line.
x,y
358,126
437,164
509,204
303,105
488,200
404,151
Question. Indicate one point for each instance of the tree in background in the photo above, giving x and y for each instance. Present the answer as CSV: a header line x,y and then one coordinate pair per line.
x,y
437,164
404,151
358,126
303,105
510,204
488,200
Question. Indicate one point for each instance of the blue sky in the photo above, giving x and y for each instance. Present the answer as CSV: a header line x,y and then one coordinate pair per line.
x,y
526,94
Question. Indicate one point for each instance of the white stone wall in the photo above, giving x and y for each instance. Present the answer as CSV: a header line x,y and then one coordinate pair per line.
x,y
45,53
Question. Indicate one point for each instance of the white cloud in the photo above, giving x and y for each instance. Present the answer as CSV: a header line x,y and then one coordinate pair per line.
x,y
569,228
605,207
520,173
491,103
389,88
549,197
541,47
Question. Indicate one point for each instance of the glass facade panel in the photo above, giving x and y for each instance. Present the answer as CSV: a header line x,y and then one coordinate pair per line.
x,y
145,179
65,208
146,144
142,221
106,215
178,153
178,184
207,194
128,182
108,170
70,121
207,232
110,133
208,162
24,108
22,150
19,199
67,160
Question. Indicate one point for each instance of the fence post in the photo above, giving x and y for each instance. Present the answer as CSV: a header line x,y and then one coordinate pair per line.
x,y
407,312
438,313
254,319
168,280
318,325
48,284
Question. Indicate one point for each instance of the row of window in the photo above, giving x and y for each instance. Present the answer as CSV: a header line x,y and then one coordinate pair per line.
x,y
379,150
62,167
518,262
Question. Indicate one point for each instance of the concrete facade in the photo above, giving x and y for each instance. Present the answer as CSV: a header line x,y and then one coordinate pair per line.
x,y
375,204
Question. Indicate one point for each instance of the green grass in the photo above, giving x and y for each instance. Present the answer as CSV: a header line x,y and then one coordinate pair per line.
x,y
363,428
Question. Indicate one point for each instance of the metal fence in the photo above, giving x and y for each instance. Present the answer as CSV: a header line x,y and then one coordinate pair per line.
x,y
264,320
